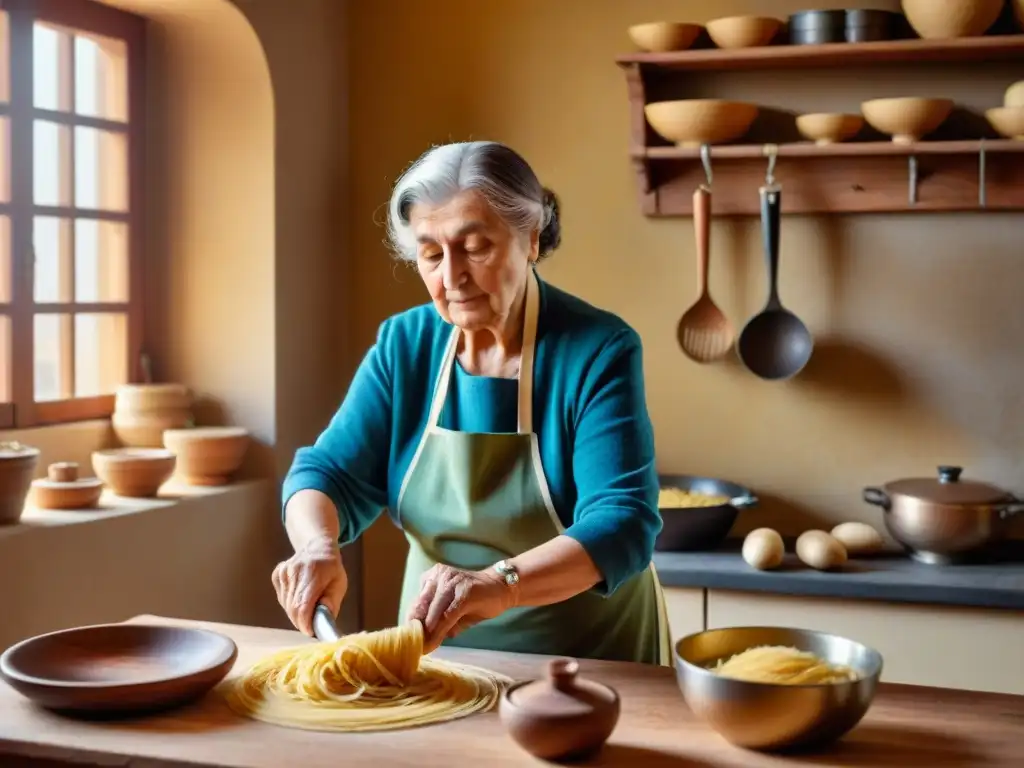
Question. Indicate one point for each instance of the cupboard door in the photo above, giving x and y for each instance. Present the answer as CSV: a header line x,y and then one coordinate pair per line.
x,y
947,647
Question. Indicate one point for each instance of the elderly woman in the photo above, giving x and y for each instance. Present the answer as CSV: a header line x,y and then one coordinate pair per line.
x,y
505,428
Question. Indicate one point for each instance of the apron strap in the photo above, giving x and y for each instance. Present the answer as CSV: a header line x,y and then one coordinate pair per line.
x,y
530,313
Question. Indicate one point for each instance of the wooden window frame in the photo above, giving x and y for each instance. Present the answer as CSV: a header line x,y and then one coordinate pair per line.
x,y
89,17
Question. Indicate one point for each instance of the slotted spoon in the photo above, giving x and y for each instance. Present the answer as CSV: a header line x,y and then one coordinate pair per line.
x,y
705,333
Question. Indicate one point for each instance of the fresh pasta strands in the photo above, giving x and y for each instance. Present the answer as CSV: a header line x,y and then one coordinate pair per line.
x,y
370,681
782,665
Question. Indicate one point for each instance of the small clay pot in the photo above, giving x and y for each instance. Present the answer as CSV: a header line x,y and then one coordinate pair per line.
x,y
17,466
207,455
133,472
64,489
562,717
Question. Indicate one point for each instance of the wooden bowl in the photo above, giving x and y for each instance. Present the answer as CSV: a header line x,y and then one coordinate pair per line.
x,y
207,455
1014,96
664,36
1007,121
692,122
945,19
133,472
829,127
62,488
17,467
152,398
906,119
118,668
743,31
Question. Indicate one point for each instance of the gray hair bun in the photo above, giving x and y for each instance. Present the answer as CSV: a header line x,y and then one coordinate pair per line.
x,y
551,232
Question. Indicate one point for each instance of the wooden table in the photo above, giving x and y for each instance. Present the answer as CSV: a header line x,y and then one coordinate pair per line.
x,y
905,727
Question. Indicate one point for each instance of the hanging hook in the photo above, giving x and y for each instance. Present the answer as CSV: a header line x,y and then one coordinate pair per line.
x,y
705,159
982,183
771,151
912,160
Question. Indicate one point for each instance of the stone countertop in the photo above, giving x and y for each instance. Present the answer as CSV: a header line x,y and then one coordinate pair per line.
x,y
887,577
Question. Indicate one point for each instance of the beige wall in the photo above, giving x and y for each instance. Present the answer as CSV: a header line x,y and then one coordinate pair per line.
x,y
917,318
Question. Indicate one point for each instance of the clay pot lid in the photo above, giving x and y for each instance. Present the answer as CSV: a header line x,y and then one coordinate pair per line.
x,y
11,449
948,488
563,693
64,475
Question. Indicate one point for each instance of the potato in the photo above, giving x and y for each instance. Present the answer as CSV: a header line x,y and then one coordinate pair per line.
x,y
858,538
763,549
820,550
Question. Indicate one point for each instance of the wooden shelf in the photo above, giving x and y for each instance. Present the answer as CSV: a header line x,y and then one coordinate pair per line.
x,y
875,176
977,49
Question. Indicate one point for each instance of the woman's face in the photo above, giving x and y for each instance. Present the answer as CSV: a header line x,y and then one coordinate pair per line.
x,y
473,264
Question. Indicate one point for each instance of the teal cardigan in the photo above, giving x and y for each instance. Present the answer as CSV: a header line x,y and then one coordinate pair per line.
x,y
590,414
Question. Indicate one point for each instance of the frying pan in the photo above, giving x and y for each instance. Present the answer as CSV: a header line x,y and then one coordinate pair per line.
x,y
700,529
775,344
118,669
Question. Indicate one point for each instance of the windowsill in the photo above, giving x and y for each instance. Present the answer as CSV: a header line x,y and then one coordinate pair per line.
x,y
173,494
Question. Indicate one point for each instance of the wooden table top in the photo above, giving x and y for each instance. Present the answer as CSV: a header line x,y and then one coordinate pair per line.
x,y
905,727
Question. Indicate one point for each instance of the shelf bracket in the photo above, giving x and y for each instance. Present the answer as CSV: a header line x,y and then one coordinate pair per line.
x,y
912,161
982,181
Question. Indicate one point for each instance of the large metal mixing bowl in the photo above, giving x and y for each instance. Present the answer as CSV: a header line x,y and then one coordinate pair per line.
x,y
769,716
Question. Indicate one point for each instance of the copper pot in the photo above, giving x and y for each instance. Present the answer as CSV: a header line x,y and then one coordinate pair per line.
x,y
945,519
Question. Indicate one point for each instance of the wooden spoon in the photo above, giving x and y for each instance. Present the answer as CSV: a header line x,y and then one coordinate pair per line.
x,y
705,333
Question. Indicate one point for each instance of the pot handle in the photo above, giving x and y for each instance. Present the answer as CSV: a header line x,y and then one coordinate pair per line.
x,y
743,502
878,498
1013,509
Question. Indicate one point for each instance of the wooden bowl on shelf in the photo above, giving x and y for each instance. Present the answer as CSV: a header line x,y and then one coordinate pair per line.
x,y
906,119
825,128
62,488
1014,96
1007,121
692,122
143,411
733,32
133,472
207,455
947,19
664,36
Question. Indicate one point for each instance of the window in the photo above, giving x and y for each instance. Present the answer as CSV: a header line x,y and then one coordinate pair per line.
x,y
71,109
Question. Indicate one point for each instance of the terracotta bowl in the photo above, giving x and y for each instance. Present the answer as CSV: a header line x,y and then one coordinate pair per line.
x,y
1014,96
906,119
146,430
133,472
944,19
152,398
692,122
207,455
664,36
829,127
118,668
743,31
62,488
1008,121
17,468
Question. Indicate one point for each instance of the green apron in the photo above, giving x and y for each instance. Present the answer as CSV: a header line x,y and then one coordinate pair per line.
x,y
471,499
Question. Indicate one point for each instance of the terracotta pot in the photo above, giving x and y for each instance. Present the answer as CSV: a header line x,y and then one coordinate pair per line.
x,y
133,472
146,430
562,716
207,455
945,19
62,488
17,468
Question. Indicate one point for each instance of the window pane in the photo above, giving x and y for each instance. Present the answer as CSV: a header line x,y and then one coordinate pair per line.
x,y
101,261
51,157
51,351
101,169
101,77
101,353
5,57
5,359
51,240
51,68
5,260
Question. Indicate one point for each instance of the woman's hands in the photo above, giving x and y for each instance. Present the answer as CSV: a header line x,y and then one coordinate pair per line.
x,y
452,600
313,574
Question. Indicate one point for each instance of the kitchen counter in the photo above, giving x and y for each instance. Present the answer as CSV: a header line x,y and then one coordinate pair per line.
x,y
906,726
889,577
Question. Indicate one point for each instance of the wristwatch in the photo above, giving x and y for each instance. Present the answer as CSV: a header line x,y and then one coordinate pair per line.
x,y
508,572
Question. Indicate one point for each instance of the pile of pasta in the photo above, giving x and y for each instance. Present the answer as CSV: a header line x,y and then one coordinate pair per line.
x,y
370,681
782,665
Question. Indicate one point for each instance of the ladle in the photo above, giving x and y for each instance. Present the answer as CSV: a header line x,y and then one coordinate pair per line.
x,y
774,344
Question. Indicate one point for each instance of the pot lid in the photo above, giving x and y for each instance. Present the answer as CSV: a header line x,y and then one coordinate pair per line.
x,y
15,450
948,488
562,693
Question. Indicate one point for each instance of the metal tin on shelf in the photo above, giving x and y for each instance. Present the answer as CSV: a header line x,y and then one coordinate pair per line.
x,y
817,27
864,25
